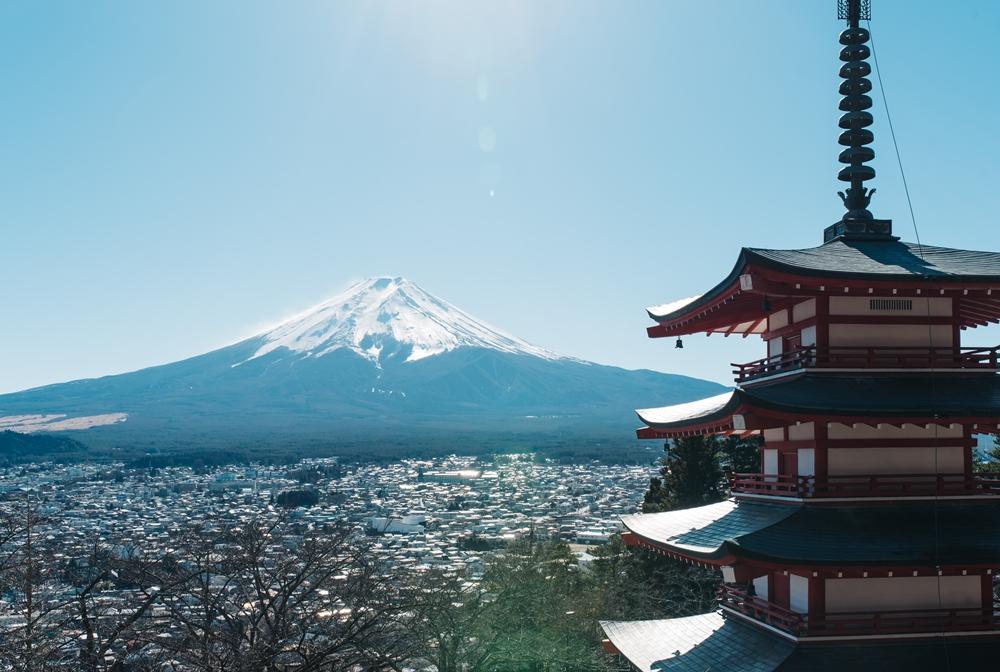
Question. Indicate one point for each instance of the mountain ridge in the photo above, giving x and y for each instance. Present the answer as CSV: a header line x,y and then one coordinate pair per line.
x,y
389,311
383,359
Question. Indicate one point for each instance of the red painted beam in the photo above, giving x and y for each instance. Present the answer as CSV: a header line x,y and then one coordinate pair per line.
x,y
958,442
891,319
834,571
753,327
716,321
670,552
834,286
680,432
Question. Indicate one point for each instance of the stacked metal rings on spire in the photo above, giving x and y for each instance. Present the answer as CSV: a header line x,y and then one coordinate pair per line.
x,y
856,118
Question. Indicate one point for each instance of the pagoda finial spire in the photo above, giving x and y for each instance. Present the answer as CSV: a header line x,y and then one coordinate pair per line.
x,y
855,104
856,136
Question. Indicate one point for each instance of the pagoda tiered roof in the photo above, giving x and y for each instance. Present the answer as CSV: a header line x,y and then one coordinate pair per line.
x,y
713,642
868,540
882,260
836,397
866,267
696,644
914,535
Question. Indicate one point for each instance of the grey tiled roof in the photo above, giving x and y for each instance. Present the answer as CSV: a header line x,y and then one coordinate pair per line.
x,y
702,410
882,260
861,260
696,644
902,533
705,529
710,642
943,395
884,395
910,656
910,533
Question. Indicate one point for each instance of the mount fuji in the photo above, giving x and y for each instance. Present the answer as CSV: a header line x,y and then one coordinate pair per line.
x,y
389,318
384,361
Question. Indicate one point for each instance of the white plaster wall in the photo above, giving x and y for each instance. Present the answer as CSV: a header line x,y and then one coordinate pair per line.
x,y
807,462
760,587
777,320
770,461
836,430
804,310
798,593
900,593
860,305
889,335
774,347
774,434
865,461
802,432
809,335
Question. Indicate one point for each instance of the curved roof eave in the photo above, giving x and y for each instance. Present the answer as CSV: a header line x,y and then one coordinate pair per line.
x,y
703,299
972,397
703,642
713,642
855,260
702,410
705,532
837,535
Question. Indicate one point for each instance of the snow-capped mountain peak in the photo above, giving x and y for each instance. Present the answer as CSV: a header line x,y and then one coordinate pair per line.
x,y
387,317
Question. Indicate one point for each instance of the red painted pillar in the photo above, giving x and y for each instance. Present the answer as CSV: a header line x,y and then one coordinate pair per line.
x,y
987,594
968,440
821,437
956,326
744,573
780,589
822,326
817,600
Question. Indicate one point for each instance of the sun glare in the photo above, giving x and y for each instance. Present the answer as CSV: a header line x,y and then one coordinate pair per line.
x,y
458,35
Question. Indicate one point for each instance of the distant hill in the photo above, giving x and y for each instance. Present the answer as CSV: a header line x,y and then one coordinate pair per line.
x,y
17,447
384,362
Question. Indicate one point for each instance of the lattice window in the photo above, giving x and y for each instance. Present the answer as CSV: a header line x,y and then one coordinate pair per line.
x,y
890,304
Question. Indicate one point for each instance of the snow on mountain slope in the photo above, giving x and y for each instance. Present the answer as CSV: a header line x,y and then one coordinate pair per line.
x,y
357,368
382,317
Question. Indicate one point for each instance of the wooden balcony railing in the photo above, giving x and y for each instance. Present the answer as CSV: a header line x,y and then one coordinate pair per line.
x,y
868,358
883,485
762,610
903,622
910,621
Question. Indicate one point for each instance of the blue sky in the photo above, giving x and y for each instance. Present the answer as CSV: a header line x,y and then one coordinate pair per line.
x,y
174,175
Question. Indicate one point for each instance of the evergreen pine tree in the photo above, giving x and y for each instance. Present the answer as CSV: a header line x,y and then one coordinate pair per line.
x,y
655,496
740,455
690,475
634,581
992,462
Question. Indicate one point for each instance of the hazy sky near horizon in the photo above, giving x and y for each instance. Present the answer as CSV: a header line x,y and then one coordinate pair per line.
x,y
175,175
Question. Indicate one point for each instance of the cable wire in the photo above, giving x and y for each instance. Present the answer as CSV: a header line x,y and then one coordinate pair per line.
x,y
930,337
892,132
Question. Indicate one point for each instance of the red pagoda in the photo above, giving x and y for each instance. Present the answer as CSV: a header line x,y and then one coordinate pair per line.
x,y
867,540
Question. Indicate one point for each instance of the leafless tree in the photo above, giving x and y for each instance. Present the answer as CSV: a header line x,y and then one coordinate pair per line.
x,y
263,596
267,596
34,632
448,620
117,605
